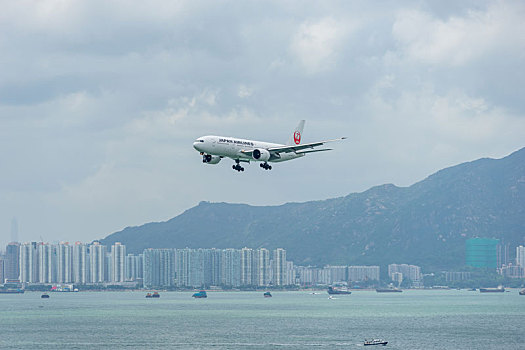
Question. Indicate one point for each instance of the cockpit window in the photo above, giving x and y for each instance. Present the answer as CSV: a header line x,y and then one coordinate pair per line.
x,y
199,140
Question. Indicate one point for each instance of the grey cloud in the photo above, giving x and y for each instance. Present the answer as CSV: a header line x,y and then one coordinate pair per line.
x,y
100,102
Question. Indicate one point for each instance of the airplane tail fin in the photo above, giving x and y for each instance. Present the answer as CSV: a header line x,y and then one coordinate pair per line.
x,y
295,139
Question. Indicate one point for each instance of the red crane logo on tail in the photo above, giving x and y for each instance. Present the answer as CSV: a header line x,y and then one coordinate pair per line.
x,y
297,137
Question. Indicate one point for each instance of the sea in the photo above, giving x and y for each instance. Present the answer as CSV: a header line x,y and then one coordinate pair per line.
x,y
414,319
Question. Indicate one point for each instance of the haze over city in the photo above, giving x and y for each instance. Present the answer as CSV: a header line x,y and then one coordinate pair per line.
x,y
100,102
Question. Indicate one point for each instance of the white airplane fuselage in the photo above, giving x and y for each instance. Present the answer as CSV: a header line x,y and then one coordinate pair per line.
x,y
232,147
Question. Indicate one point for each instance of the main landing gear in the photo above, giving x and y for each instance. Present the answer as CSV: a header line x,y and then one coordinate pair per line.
x,y
265,166
237,166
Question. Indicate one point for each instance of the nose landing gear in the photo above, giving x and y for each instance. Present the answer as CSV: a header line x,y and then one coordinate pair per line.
x,y
265,166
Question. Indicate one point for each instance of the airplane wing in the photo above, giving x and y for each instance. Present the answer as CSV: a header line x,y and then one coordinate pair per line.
x,y
299,148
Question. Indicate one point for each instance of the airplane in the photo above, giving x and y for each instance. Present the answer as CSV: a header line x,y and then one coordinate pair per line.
x,y
214,148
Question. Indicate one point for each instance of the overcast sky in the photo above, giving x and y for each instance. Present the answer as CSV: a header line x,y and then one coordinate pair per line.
x,y
100,101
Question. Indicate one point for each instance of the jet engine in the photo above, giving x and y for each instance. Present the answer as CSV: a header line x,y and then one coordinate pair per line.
x,y
261,155
209,159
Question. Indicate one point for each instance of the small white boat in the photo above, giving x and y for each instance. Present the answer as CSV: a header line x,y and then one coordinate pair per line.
x,y
375,342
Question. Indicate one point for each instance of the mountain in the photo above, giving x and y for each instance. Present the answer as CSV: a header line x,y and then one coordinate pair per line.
x,y
425,224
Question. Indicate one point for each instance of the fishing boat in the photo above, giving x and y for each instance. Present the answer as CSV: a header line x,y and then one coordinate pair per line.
x,y
388,290
267,295
375,342
522,292
332,290
500,289
44,296
200,294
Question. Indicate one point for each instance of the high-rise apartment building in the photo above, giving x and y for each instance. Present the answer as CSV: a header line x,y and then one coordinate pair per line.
x,y
12,261
279,267
134,267
190,267
159,267
411,272
520,256
212,267
247,267
29,264
231,267
81,263
482,252
98,262
2,260
262,267
65,263
363,273
503,254
47,263
118,262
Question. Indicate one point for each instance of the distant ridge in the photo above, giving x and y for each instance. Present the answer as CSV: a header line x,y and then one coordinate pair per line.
x,y
425,224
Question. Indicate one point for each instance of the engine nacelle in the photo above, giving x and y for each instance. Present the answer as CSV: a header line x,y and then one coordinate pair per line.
x,y
209,159
261,155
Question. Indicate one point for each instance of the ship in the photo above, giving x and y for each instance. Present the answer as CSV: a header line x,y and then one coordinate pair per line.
x,y
267,295
388,290
500,289
375,342
11,290
44,296
522,292
332,290
200,294
154,295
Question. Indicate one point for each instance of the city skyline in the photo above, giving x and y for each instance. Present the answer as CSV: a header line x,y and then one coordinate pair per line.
x,y
94,264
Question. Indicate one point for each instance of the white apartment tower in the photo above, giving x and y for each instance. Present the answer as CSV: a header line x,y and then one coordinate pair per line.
x,y
279,267
81,264
97,261
29,264
520,256
118,262
247,267
65,263
47,263
262,266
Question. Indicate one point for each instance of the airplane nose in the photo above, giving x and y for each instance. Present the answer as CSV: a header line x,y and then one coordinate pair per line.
x,y
196,146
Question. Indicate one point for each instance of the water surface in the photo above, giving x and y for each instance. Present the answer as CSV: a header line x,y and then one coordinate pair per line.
x,y
444,319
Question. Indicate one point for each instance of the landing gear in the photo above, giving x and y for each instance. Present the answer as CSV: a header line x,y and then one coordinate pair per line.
x,y
265,166
237,166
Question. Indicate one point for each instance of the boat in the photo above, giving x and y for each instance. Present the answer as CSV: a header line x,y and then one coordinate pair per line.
x,y
148,295
44,296
11,291
522,292
388,290
155,295
375,342
500,289
332,290
200,294
472,290
267,295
